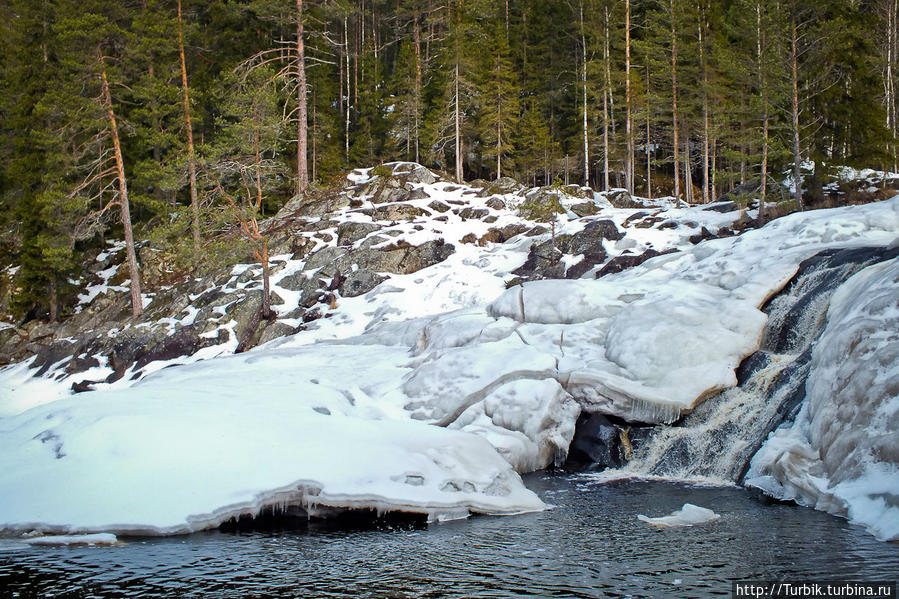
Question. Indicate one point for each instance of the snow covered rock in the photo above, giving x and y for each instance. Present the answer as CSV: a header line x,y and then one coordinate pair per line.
x,y
191,448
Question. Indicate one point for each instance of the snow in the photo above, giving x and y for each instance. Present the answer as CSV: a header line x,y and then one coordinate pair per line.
x,y
66,540
189,448
840,454
429,393
688,515
650,343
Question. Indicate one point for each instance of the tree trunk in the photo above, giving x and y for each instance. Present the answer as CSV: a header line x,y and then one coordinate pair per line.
x,y
648,144
607,92
416,94
674,126
584,82
705,114
137,306
346,114
794,64
191,156
628,126
764,91
688,171
302,173
458,126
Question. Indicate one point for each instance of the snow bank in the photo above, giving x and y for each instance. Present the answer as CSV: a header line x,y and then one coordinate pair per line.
x,y
841,454
192,447
652,342
689,515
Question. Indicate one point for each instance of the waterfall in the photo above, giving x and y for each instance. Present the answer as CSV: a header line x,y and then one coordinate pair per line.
x,y
717,440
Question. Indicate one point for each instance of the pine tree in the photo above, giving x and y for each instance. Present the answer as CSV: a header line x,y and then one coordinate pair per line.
x,y
499,97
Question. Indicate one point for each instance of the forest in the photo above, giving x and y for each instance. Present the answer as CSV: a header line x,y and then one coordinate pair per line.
x,y
187,122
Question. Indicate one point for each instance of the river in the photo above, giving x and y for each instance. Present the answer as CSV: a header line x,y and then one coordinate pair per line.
x,y
590,545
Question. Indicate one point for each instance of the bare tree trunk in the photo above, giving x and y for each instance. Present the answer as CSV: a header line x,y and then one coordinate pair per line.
x,y
688,171
137,306
764,91
607,92
628,125
346,130
648,151
302,172
191,156
266,286
584,82
674,126
794,64
458,127
416,96
705,114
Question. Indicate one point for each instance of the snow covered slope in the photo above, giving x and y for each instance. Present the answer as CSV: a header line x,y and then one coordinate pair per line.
x,y
341,412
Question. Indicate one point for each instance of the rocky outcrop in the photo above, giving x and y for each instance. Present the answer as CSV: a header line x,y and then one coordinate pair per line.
x,y
544,260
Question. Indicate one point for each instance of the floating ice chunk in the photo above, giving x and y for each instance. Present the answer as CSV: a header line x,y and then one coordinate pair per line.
x,y
103,538
689,515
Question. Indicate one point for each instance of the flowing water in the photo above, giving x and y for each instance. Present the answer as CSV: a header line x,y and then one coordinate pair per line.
x,y
719,438
590,545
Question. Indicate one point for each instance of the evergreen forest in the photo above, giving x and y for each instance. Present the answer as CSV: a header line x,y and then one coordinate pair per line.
x,y
188,122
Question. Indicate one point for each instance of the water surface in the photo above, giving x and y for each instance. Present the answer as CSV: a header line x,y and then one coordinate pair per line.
x,y
590,545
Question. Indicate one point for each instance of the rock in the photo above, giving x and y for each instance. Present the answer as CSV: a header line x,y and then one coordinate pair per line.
x,y
389,194
625,261
585,209
496,204
620,198
726,206
412,172
438,206
636,216
501,186
396,212
349,233
543,262
418,193
703,235
469,238
274,330
576,191
360,282
472,213
600,442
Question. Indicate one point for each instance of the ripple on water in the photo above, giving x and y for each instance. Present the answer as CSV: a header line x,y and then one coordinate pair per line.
x,y
590,545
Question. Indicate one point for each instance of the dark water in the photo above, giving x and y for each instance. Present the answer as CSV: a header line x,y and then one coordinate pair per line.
x,y
590,545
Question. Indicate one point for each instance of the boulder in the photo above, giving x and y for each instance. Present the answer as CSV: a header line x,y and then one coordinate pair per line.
x,y
438,206
501,186
585,209
620,198
496,204
395,212
472,213
625,261
349,233
360,282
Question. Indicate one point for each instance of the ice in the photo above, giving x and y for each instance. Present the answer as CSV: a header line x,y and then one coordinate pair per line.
x,y
189,448
428,393
841,454
689,515
66,540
